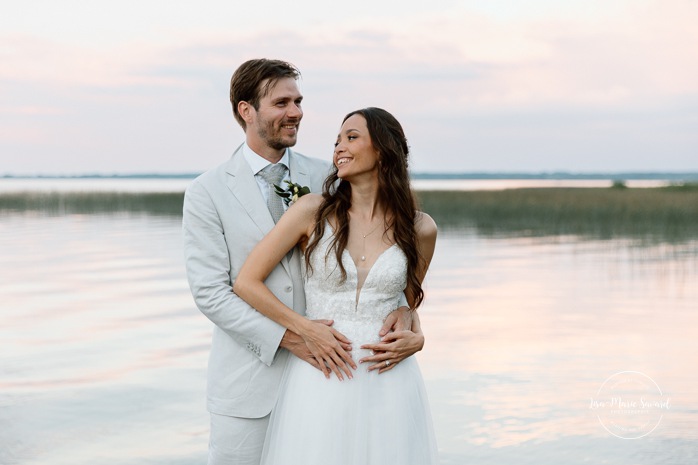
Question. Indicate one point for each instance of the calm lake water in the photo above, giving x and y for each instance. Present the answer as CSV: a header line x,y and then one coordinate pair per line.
x,y
103,353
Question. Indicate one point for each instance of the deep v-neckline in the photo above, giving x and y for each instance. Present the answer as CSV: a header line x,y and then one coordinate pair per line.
x,y
356,268
359,290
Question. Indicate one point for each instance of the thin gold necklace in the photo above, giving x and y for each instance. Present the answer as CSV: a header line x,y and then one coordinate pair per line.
x,y
363,250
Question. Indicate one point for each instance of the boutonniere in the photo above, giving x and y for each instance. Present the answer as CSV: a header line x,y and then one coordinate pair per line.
x,y
292,192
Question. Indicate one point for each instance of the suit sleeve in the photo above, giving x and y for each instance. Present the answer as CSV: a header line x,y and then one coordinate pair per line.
x,y
208,271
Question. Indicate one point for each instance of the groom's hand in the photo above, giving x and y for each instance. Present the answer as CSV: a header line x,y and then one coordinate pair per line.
x,y
297,346
398,320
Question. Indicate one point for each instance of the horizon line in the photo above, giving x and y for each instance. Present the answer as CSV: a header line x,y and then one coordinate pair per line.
x,y
615,175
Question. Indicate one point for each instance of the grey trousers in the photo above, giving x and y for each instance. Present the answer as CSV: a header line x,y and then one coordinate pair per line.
x,y
236,441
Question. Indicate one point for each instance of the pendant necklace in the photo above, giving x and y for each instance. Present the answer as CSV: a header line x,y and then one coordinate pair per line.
x,y
363,255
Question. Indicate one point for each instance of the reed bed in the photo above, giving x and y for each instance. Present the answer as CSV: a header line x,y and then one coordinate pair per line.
x,y
66,203
669,213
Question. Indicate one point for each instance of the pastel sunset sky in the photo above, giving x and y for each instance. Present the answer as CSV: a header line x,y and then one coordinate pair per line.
x,y
490,85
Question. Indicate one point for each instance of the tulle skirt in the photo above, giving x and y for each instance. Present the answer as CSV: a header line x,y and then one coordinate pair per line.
x,y
372,419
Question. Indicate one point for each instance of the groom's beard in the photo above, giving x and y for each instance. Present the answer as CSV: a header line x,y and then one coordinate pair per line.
x,y
274,135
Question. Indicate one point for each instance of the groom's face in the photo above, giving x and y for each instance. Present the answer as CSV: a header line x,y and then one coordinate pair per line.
x,y
276,122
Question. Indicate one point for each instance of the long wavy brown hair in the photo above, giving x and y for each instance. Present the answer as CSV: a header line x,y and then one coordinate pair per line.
x,y
394,195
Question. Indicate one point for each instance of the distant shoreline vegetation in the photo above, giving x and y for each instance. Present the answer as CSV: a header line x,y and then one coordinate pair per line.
x,y
657,214
558,175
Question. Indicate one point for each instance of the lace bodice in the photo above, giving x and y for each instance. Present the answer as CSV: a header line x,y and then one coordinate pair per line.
x,y
328,297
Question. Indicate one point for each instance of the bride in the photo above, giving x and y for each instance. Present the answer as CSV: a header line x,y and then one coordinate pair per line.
x,y
364,246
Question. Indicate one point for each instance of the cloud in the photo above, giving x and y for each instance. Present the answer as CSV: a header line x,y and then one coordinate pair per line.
x,y
521,89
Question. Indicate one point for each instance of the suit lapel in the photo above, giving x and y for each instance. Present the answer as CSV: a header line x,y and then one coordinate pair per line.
x,y
299,172
299,175
243,185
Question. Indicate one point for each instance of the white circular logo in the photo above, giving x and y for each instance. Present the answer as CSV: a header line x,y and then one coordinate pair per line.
x,y
629,405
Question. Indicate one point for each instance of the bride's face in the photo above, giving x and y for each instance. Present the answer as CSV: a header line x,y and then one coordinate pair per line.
x,y
353,152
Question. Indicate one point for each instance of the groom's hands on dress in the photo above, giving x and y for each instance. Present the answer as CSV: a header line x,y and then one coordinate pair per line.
x,y
399,319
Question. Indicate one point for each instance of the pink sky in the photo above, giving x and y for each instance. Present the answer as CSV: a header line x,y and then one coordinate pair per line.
x,y
479,86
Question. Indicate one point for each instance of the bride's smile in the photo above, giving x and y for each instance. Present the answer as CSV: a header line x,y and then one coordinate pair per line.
x,y
354,153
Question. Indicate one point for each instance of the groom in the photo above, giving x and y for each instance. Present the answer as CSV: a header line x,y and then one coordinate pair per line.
x,y
226,212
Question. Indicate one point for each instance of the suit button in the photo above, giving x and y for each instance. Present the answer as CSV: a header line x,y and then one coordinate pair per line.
x,y
288,288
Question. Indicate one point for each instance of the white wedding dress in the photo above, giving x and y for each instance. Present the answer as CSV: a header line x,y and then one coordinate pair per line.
x,y
372,419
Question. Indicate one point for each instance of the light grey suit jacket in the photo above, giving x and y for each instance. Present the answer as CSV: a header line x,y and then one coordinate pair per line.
x,y
225,216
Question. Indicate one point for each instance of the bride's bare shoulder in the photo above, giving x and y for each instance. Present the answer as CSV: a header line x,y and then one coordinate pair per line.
x,y
306,206
309,202
425,226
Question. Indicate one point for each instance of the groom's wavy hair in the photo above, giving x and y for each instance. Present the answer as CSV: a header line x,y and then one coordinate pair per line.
x,y
394,194
246,83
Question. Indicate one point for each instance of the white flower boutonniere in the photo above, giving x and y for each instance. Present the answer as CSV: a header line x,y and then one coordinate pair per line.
x,y
292,192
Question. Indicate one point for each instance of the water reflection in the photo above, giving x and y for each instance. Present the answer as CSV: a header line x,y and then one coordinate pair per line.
x,y
102,353
526,331
100,350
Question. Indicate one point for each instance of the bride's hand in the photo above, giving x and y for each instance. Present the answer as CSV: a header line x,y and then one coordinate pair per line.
x,y
327,346
393,348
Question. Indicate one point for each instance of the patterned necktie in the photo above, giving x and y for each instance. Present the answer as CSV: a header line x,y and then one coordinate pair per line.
x,y
273,174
